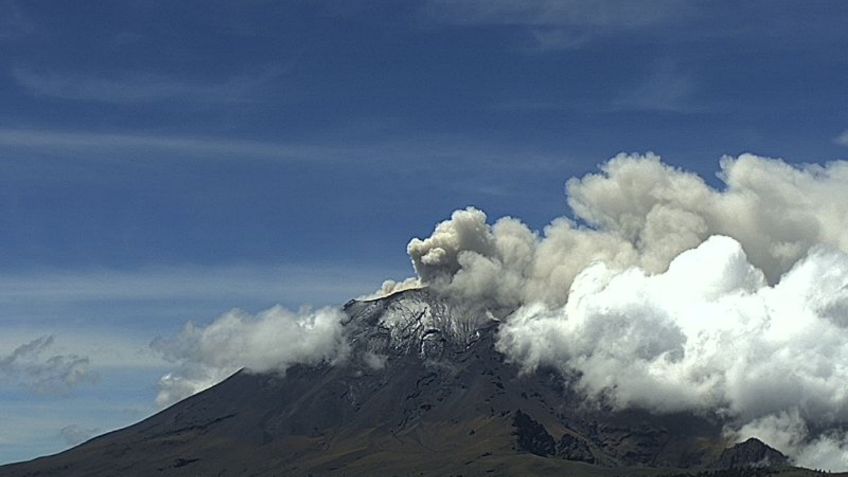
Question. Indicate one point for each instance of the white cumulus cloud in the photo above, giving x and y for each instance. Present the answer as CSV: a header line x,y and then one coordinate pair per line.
x,y
272,340
708,334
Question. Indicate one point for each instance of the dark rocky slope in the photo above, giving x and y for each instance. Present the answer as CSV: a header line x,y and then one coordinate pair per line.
x,y
444,403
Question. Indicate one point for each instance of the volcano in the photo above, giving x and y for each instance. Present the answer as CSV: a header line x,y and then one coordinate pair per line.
x,y
422,391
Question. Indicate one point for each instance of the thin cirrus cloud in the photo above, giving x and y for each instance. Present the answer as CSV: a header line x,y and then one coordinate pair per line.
x,y
292,284
842,139
558,25
135,88
665,88
418,153
63,141
605,13
13,22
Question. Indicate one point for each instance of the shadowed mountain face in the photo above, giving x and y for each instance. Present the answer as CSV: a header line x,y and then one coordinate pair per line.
x,y
423,392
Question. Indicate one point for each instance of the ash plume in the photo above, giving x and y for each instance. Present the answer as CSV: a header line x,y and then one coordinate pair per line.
x,y
660,292
639,211
666,294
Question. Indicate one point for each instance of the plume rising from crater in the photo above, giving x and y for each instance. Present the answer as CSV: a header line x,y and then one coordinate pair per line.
x,y
639,211
659,293
664,293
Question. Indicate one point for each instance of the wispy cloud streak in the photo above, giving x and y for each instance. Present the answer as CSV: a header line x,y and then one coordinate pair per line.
x,y
842,139
141,87
419,153
285,283
556,24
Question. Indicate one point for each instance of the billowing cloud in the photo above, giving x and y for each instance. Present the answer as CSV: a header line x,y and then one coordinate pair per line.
x,y
272,340
661,292
708,334
639,211
789,432
664,293
33,366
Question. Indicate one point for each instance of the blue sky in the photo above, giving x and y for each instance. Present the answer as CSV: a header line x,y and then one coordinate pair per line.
x,y
168,161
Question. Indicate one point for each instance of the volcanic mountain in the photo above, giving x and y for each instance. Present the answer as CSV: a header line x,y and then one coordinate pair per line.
x,y
423,391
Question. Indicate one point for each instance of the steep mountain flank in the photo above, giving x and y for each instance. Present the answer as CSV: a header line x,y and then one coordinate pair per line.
x,y
422,392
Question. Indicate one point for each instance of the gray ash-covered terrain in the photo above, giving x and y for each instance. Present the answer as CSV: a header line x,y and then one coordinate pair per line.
x,y
422,392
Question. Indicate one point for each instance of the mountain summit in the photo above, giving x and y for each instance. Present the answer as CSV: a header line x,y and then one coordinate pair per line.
x,y
423,391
